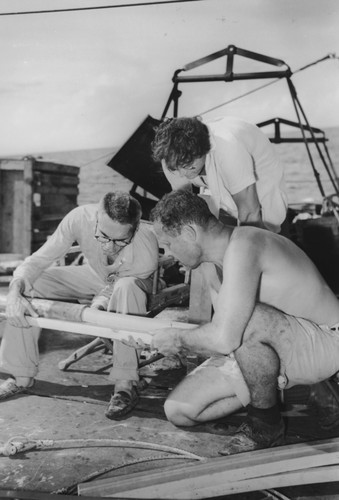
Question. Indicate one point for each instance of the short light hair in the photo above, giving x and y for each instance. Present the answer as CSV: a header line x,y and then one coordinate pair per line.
x,y
121,207
181,208
180,141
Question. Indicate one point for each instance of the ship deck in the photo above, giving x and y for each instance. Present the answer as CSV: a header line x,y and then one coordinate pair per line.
x,y
68,407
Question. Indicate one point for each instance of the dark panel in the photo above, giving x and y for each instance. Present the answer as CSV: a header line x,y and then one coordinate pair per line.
x,y
319,238
134,160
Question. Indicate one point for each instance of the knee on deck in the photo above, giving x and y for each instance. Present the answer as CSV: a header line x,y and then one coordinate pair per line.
x,y
180,414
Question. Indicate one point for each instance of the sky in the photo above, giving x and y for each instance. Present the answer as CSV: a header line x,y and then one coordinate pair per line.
x,y
87,79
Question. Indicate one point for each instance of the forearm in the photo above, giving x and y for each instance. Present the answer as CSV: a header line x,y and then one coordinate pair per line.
x,y
17,306
36,263
249,214
16,287
31,269
249,207
205,340
251,219
56,246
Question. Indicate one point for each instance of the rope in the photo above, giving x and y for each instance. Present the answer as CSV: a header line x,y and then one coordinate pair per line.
x,y
20,444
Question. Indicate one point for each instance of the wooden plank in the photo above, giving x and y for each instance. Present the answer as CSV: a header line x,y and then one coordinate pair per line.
x,y
316,475
53,179
54,200
50,222
10,257
27,197
54,211
11,182
12,165
219,476
8,266
20,230
16,203
41,236
292,478
49,189
57,168
5,280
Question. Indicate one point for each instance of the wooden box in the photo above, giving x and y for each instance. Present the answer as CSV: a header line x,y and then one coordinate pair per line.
x,y
34,197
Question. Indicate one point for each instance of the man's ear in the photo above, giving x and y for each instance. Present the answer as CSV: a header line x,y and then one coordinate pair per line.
x,y
189,231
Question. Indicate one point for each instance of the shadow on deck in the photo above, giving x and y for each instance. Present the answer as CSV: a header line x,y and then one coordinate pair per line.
x,y
68,406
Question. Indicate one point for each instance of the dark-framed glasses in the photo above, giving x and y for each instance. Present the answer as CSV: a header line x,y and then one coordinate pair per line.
x,y
101,238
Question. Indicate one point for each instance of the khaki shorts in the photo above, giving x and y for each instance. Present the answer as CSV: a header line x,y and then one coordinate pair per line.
x,y
310,354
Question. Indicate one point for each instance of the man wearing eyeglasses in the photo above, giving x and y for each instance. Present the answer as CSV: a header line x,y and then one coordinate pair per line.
x,y
120,257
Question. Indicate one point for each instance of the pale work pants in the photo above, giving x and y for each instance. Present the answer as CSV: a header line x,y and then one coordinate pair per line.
x,y
19,354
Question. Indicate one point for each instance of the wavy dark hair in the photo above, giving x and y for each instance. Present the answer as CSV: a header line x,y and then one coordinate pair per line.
x,y
180,208
180,141
122,207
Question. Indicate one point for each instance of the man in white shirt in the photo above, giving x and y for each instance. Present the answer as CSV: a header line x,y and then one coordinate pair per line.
x,y
120,257
233,159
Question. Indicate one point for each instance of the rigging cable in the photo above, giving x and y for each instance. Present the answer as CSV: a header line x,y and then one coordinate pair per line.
x,y
329,56
99,7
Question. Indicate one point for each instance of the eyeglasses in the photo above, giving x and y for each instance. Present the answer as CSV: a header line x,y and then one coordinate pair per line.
x,y
105,239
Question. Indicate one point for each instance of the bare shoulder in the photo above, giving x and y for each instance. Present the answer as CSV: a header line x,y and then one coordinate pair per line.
x,y
265,246
248,237
246,246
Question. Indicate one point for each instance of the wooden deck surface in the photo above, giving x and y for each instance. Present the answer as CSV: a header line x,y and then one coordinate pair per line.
x,y
68,408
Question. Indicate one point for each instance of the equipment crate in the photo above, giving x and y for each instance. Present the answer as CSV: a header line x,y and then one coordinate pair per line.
x,y
34,197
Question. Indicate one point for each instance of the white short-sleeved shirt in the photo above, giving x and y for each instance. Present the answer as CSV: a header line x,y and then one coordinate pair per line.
x,y
240,156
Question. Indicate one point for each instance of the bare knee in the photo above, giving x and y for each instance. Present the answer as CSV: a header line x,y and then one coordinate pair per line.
x,y
179,414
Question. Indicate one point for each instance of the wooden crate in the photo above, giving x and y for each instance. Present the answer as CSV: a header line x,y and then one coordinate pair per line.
x,y
34,197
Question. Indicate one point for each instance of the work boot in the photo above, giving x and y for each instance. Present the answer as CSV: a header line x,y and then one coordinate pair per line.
x,y
254,434
121,403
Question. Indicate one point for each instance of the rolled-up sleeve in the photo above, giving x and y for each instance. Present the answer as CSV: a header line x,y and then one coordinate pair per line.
x,y
55,247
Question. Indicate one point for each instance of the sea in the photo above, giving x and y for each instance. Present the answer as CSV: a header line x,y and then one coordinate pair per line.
x,y
96,177
301,183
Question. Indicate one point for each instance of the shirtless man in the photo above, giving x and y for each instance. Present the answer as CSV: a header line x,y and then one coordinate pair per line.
x,y
275,318
233,159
